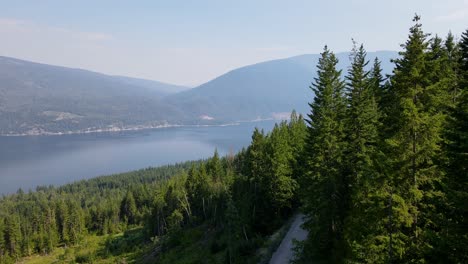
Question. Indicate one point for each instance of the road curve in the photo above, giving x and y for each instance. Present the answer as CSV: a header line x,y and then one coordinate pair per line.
x,y
284,253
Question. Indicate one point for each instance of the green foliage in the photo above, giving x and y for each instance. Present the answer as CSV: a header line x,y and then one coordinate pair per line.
x,y
401,188
85,258
415,143
38,222
361,129
452,243
380,170
324,188
128,209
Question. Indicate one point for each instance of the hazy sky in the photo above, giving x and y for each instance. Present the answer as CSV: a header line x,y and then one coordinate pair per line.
x,y
189,42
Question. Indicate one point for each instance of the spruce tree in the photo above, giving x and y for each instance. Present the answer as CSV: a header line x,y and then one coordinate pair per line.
x,y
297,137
452,50
50,227
454,243
281,187
13,235
464,60
414,145
214,167
363,228
257,170
325,190
128,209
3,245
377,79
442,89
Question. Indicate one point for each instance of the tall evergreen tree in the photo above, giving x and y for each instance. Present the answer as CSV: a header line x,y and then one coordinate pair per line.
x,y
464,60
233,227
51,231
415,144
325,190
76,225
257,169
281,187
452,50
361,131
214,167
377,79
441,92
13,235
454,242
128,208
2,239
63,217
297,138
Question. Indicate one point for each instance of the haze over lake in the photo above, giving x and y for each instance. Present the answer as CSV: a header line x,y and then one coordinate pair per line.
x,y
26,162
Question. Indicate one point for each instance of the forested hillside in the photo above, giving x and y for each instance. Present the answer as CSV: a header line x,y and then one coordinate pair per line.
x,y
386,171
39,99
231,203
379,167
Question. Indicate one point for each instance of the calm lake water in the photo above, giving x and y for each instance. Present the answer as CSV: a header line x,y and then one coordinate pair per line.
x,y
42,160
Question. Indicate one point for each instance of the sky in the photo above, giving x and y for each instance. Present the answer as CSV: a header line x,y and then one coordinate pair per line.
x,y
189,42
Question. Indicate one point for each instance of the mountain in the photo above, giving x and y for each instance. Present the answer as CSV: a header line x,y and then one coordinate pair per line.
x,y
160,87
42,99
264,90
37,98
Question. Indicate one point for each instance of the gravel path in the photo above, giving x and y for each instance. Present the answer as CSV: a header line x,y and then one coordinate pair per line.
x,y
284,253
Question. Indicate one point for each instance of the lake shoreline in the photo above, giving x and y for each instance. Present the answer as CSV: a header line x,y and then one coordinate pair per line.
x,y
108,130
126,129
30,161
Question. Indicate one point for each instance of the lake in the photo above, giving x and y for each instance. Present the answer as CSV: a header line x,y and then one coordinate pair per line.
x,y
26,162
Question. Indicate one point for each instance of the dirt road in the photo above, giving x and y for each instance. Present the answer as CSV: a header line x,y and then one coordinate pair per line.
x,y
284,253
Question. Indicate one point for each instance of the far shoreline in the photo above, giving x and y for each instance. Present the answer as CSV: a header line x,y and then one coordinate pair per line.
x,y
130,128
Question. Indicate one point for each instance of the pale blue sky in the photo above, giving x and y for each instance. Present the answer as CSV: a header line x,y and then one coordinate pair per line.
x,y
190,42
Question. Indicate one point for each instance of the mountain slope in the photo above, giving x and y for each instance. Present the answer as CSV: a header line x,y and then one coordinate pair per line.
x,y
37,98
261,90
160,87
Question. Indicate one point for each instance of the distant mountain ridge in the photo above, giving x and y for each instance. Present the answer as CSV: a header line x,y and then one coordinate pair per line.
x,y
264,89
43,99
163,88
38,98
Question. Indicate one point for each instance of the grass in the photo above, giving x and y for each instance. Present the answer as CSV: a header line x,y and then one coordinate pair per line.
x,y
93,250
89,246
201,244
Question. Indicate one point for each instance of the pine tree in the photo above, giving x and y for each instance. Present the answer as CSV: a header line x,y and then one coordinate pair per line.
x,y
452,50
297,138
414,144
257,169
51,231
128,208
442,89
281,187
63,217
363,231
376,81
454,243
233,227
76,225
325,190
13,235
464,60
214,166
3,245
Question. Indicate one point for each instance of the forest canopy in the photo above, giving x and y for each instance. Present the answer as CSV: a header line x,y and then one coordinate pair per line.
x,y
379,166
